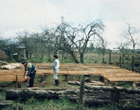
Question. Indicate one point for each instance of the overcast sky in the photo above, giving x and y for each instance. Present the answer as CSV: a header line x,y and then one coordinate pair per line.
x,y
33,15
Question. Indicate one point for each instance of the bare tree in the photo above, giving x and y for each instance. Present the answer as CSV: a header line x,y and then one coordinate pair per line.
x,y
77,38
37,47
123,47
3,42
131,37
92,29
48,41
103,44
23,39
65,35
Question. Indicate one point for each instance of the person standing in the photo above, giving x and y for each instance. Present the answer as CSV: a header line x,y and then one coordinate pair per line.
x,y
55,67
23,55
30,70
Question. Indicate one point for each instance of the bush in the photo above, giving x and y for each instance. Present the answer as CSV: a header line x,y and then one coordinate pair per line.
x,y
136,63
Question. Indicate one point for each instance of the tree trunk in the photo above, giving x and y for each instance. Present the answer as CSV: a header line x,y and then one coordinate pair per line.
x,y
62,56
49,56
27,54
82,58
134,50
93,95
123,58
109,58
132,63
37,58
74,58
103,59
30,55
42,58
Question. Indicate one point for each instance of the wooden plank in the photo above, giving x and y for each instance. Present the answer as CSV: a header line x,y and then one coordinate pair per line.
x,y
8,79
124,79
105,74
12,78
121,75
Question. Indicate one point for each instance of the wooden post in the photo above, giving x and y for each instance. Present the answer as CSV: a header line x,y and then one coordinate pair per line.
x,y
134,84
97,59
120,60
16,82
42,78
81,92
19,84
42,58
62,56
92,59
101,78
114,96
106,82
103,60
66,77
109,58
132,63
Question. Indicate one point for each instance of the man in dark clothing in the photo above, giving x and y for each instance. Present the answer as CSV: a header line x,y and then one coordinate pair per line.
x,y
23,55
30,70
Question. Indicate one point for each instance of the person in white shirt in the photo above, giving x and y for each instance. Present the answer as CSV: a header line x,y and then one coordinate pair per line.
x,y
55,66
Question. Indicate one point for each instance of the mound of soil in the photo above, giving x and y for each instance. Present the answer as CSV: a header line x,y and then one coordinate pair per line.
x,y
3,55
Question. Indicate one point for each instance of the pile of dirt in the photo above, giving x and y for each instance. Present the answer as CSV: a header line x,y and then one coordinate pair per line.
x,y
3,55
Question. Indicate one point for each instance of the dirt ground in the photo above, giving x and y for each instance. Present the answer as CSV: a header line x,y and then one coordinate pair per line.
x,y
69,67
49,82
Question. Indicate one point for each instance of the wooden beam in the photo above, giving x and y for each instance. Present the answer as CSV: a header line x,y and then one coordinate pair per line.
x,y
12,78
124,79
123,76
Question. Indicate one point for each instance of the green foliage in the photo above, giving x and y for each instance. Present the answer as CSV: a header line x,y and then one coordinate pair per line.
x,y
2,96
136,63
61,104
45,104
68,60
5,83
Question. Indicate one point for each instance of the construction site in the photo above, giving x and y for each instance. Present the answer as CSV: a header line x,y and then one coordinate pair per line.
x,y
103,83
69,55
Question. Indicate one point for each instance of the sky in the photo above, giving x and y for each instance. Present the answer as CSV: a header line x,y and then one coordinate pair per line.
x,y
34,15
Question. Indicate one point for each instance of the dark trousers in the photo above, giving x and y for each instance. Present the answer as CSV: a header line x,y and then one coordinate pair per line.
x,y
32,76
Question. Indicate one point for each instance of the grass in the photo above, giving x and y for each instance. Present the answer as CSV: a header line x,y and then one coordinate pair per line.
x,y
2,96
6,84
49,81
45,104
53,104
60,104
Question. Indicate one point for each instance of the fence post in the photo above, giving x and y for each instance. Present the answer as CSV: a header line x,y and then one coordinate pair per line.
x,y
109,58
120,60
16,81
66,77
132,63
82,84
103,60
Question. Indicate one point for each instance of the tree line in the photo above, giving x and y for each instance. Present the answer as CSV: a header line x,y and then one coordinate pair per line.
x,y
67,38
